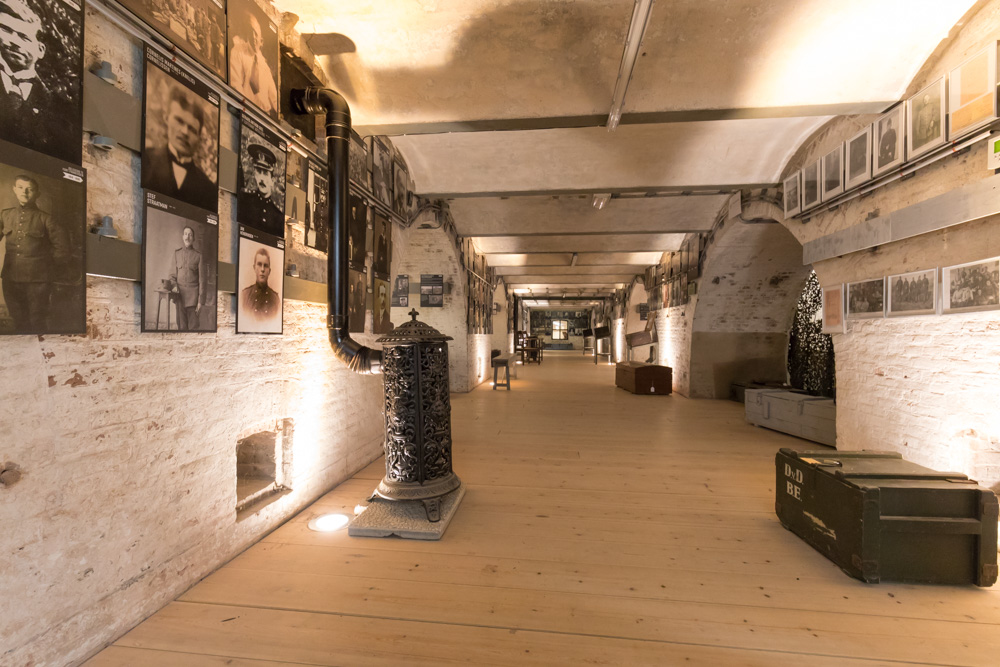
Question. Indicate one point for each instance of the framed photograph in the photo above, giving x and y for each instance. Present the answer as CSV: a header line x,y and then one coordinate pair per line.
x,y
358,171
180,150
42,249
926,113
382,240
793,195
260,182
296,181
833,310
859,159
380,306
253,55
401,291
833,173
199,31
357,297
971,286
866,299
41,92
260,278
972,93
293,76
913,293
400,182
381,169
810,185
357,231
318,212
888,145
180,266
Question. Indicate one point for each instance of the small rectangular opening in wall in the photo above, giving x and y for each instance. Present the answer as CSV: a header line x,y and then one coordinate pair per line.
x,y
263,463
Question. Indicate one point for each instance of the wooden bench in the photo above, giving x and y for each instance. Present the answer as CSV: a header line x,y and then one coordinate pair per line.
x,y
503,362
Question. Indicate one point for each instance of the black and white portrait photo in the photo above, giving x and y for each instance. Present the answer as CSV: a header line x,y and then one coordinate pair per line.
x,y
380,306
259,282
866,299
888,145
357,231
198,27
793,201
833,173
359,161
260,200
41,61
926,114
180,154
913,293
972,286
296,178
180,266
357,294
42,212
381,169
859,158
400,185
810,185
253,55
401,291
318,220
382,246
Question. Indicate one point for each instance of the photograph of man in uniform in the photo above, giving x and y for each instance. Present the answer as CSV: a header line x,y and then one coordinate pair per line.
x,y
381,170
181,142
400,178
380,308
926,111
357,293
383,241
886,142
357,232
41,45
253,55
319,222
36,247
187,282
259,301
257,207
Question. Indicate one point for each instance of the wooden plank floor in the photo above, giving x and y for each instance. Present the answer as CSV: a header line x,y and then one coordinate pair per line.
x,y
599,528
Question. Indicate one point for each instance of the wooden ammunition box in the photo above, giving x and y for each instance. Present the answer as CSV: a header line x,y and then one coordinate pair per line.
x,y
641,378
799,414
881,518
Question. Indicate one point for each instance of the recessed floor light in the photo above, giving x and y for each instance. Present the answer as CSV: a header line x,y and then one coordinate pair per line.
x,y
328,523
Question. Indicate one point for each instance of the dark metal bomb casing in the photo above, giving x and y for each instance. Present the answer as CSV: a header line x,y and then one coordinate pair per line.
x,y
417,413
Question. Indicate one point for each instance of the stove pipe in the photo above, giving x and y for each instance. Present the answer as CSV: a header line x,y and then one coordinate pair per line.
x,y
315,101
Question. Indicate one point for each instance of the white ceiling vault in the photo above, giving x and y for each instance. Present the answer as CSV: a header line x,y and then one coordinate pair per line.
x,y
499,107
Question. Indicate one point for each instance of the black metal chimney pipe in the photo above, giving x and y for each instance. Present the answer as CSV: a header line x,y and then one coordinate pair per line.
x,y
315,101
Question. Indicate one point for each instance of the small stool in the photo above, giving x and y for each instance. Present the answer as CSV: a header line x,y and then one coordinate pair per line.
x,y
163,295
498,363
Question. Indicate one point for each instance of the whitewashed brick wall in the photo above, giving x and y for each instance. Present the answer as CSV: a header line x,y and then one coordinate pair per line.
x,y
673,329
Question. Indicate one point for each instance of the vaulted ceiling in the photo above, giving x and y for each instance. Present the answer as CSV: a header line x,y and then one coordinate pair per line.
x,y
500,106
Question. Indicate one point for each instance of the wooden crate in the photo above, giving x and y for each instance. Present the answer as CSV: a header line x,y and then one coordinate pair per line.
x,y
641,378
804,416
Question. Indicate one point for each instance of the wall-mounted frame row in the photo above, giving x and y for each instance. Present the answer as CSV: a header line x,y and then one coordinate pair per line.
x,y
961,288
948,109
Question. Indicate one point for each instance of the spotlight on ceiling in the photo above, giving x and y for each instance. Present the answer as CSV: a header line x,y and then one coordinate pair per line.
x,y
601,200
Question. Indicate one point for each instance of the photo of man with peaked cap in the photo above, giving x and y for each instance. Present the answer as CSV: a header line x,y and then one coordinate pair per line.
x,y
256,207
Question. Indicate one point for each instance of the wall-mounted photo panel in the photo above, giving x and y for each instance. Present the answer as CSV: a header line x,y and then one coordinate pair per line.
x,y
432,291
180,150
357,231
296,182
793,195
382,240
888,140
318,216
41,92
380,306
971,286
260,270
972,93
359,172
859,159
810,185
42,223
913,293
866,299
833,310
381,169
832,178
253,55
401,291
180,266
400,182
357,296
292,77
199,29
926,113
260,200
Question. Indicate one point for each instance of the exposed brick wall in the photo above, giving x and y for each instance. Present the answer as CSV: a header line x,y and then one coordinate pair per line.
x,y
127,441
673,329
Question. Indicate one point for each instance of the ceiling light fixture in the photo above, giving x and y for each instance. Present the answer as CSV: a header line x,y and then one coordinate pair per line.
x,y
633,42
601,200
